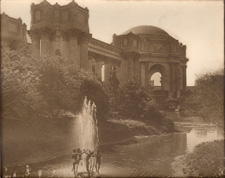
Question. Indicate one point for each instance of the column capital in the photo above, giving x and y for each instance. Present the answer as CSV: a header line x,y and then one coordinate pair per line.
x,y
34,34
130,54
85,37
46,33
57,33
73,33
65,35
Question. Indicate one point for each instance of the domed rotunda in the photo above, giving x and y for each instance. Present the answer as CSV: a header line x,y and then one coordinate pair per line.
x,y
148,50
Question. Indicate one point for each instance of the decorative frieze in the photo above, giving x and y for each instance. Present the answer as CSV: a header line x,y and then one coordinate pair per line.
x,y
103,58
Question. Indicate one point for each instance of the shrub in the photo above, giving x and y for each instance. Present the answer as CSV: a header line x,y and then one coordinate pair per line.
x,y
132,101
206,160
208,99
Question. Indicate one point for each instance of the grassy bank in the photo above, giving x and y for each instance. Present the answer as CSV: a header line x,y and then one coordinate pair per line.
x,y
119,129
207,160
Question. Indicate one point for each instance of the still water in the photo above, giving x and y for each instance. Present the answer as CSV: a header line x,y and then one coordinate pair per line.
x,y
146,156
153,156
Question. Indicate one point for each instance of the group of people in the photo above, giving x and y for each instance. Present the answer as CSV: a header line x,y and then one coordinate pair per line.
x,y
91,159
7,174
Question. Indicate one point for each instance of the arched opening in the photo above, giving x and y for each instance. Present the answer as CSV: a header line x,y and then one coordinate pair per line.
x,y
158,77
155,81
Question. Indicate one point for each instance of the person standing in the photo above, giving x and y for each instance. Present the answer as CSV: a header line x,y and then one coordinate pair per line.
x,y
5,172
98,161
27,171
76,155
79,154
89,154
39,173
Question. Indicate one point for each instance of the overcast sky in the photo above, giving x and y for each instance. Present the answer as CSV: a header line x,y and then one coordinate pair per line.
x,y
197,24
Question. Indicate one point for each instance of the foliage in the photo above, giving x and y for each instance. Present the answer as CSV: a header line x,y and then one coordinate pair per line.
x,y
19,80
208,100
132,101
45,86
94,91
113,89
158,119
206,160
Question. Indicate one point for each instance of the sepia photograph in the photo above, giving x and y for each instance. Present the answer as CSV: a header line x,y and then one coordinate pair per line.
x,y
112,88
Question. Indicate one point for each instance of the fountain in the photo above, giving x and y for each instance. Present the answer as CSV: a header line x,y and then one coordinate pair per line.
x,y
85,127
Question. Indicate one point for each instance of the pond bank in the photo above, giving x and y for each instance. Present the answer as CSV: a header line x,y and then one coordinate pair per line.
x,y
139,155
47,147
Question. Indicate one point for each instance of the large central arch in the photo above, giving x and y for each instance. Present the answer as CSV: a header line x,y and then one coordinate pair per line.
x,y
161,68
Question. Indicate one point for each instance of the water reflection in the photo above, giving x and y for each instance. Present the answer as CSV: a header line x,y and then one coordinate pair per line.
x,y
199,135
152,156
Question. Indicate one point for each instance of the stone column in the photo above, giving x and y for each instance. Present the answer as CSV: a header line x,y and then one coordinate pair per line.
x,y
177,81
84,62
56,43
107,72
165,85
184,75
143,74
180,78
45,43
147,84
136,69
65,47
122,72
162,81
35,43
98,69
172,78
73,47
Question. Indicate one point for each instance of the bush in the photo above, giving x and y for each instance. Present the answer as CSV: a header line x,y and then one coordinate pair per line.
x,y
134,102
208,100
207,160
158,119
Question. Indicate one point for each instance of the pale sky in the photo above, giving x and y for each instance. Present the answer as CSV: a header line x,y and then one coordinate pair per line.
x,y
196,24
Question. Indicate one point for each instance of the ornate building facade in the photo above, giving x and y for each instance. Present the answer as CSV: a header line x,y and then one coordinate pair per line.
x,y
135,54
13,31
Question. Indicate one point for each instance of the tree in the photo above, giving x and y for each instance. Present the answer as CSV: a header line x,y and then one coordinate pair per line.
x,y
134,100
19,80
112,89
210,96
45,86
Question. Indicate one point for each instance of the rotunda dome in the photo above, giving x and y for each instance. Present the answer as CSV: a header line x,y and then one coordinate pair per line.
x,y
146,30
